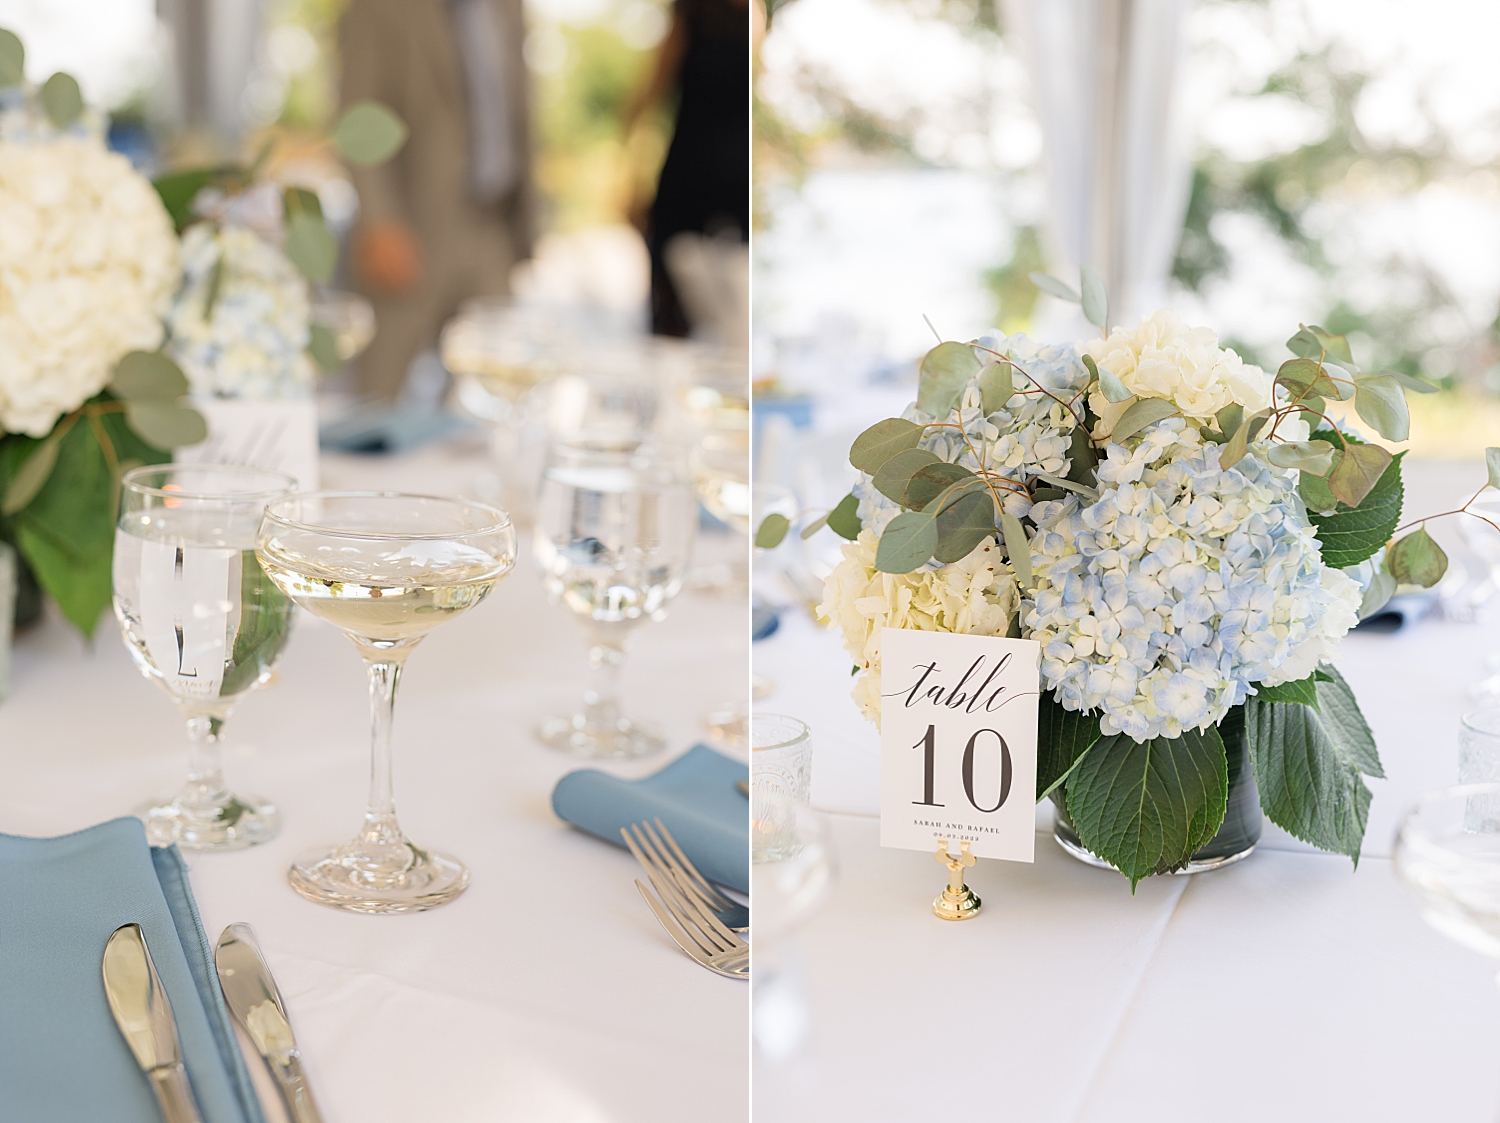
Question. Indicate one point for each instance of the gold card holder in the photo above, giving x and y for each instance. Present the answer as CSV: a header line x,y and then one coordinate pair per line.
x,y
957,901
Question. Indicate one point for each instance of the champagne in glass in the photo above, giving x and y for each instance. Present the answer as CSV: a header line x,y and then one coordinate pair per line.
x,y
614,531
385,569
202,620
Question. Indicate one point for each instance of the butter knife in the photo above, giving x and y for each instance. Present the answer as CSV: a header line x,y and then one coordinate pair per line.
x,y
144,1015
256,1004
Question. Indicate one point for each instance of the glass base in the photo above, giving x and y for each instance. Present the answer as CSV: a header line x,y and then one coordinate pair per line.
x,y
359,878
1194,865
729,725
578,736
241,821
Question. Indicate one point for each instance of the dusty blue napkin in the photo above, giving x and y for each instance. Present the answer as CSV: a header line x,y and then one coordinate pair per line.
x,y
61,1055
694,796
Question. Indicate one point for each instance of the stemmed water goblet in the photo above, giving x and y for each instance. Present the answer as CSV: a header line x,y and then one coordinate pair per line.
x,y
385,569
201,619
614,530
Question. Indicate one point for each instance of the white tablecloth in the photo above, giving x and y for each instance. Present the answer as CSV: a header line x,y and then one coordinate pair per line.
x,y
1286,987
547,992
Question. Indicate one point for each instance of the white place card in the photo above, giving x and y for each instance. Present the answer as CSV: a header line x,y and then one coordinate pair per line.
x,y
279,436
958,735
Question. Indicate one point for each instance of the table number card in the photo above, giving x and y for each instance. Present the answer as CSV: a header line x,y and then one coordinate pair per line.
x,y
279,436
958,720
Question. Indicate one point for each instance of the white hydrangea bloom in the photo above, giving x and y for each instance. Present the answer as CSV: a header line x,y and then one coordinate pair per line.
x,y
974,596
88,262
254,342
1162,358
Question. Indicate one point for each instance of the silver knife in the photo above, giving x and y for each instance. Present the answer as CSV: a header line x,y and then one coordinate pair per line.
x,y
256,1004
144,1015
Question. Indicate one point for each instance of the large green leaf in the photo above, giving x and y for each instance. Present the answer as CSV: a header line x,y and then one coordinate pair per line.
x,y
881,441
1145,807
843,520
907,543
1309,766
1380,400
265,613
1062,737
1303,691
1146,411
963,524
1356,470
1351,534
1416,559
930,481
895,475
997,386
946,370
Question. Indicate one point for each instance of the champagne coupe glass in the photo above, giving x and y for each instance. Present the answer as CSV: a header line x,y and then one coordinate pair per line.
x,y
201,619
1448,850
614,531
385,569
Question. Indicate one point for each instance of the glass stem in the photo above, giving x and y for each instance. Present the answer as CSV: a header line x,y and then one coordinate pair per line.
x,y
205,790
381,827
601,694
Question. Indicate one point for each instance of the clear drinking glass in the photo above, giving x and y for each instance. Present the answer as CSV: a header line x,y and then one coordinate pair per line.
x,y
385,569
1448,850
614,530
780,768
1479,747
201,619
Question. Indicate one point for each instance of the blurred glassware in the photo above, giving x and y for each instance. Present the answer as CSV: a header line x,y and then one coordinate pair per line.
x,y
349,316
1448,850
1483,538
721,473
385,569
203,621
608,385
1479,747
786,891
780,767
715,394
614,531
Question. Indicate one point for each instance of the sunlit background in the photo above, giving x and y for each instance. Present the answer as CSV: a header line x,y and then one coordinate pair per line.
x,y
1345,159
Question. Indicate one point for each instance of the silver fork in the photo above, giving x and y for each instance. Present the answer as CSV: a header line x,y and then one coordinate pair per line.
x,y
684,903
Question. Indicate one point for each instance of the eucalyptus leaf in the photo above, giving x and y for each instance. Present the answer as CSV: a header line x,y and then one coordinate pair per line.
x,y
369,133
896,473
1380,400
1094,298
931,480
1053,287
1062,739
299,200
1307,378
311,247
945,371
1082,460
1356,470
148,376
1416,559
908,542
996,387
12,59
1018,549
1238,445
963,524
1112,388
323,347
62,100
1313,342
1230,418
1313,408
30,477
843,520
772,531
1084,490
1420,385
215,284
881,441
1310,456
1146,411
1378,595
813,527
1492,465
166,425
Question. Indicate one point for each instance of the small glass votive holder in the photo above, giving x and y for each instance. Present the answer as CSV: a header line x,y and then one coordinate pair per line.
x,y
1479,747
780,777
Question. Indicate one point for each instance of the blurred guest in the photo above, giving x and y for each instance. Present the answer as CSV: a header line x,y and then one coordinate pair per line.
x,y
450,216
704,186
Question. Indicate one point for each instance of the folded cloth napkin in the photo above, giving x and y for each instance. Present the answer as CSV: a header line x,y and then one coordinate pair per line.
x,y
694,796
1399,611
383,429
62,1057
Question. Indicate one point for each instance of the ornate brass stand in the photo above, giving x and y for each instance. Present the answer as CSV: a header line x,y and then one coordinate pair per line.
x,y
958,901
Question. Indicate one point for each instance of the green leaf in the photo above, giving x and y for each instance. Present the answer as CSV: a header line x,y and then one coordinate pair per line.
x,y
1146,411
369,133
323,346
62,100
1379,399
946,370
1492,464
1357,468
963,524
1349,535
30,477
1084,490
1421,386
1377,596
896,473
843,520
1017,549
1312,411
178,190
1053,287
929,481
1082,461
1416,559
996,387
1062,739
1312,341
1238,445
1145,807
1095,299
881,441
311,247
1308,766
299,200
1303,691
148,376
1310,456
165,424
813,527
771,531
908,542
12,59
1307,378
265,614
1230,418
1109,384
